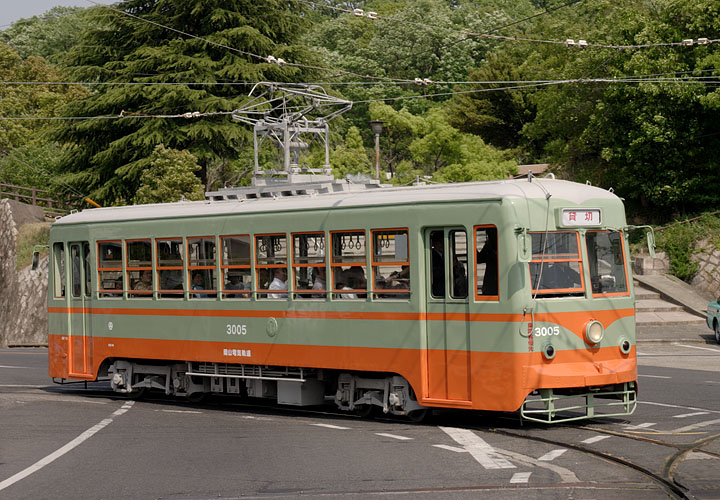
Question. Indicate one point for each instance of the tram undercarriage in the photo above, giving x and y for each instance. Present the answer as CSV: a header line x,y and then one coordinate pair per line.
x,y
361,393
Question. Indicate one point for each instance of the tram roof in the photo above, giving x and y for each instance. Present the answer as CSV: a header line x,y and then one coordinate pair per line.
x,y
435,193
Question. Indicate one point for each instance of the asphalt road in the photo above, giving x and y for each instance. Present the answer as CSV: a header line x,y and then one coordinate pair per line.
x,y
69,442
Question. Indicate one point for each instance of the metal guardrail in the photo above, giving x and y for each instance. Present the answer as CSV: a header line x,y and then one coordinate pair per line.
x,y
38,197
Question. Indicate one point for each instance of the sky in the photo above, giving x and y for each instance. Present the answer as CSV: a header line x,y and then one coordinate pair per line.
x,y
12,10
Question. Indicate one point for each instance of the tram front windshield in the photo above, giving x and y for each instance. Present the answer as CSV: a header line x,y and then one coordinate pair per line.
x,y
556,269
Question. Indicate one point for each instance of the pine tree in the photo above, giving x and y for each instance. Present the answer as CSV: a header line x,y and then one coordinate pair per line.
x,y
208,68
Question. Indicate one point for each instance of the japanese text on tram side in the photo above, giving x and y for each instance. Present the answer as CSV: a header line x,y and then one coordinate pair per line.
x,y
238,353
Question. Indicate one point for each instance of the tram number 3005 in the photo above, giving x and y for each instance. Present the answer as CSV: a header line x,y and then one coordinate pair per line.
x,y
546,331
236,329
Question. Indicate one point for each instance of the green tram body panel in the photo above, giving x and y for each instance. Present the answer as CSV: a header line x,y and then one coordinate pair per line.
x,y
418,324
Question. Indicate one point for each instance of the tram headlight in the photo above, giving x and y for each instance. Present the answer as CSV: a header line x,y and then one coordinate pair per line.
x,y
594,331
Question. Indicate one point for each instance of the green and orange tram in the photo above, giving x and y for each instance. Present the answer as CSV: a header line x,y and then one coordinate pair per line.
x,y
512,295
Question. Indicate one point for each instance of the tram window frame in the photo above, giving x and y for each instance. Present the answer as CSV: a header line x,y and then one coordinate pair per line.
x,y
110,270
458,284
303,266
555,259
201,264
136,267
269,262
338,261
596,279
75,271
485,260
236,265
162,267
86,263
59,272
399,267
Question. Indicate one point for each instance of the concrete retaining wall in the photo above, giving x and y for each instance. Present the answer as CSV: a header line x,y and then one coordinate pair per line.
x,y
23,310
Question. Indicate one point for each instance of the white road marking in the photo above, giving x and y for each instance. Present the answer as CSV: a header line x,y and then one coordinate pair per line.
x,y
701,348
678,406
9,366
179,411
65,449
685,415
456,449
520,477
699,425
653,376
552,455
394,436
478,448
329,426
24,386
711,382
698,455
594,439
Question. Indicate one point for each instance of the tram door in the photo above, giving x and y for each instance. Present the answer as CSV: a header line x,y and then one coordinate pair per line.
x,y
80,336
448,333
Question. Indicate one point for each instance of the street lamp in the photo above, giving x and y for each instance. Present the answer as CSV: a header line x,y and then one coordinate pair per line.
x,y
377,127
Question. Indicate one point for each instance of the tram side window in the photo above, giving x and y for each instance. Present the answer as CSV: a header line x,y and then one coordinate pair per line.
x,y
556,267
110,277
459,255
59,269
271,266
236,279
486,263
169,252
75,264
308,259
606,257
391,264
349,265
139,268
201,267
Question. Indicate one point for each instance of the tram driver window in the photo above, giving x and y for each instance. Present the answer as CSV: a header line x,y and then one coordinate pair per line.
x,y
556,267
486,263
349,265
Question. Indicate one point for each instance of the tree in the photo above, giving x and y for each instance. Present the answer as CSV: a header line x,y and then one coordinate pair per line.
x,y
350,158
123,50
49,35
170,177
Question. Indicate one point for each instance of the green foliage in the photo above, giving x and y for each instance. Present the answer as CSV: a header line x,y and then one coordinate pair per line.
x,y
430,146
350,158
119,48
681,239
29,100
168,176
29,235
49,35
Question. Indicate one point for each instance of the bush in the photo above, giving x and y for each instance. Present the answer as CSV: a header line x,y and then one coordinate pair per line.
x,y
29,235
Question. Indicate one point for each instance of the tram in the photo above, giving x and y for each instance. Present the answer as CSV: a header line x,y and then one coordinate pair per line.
x,y
512,295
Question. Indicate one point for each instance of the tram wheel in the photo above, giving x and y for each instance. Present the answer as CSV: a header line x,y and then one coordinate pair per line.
x,y
717,332
365,411
196,397
137,394
420,416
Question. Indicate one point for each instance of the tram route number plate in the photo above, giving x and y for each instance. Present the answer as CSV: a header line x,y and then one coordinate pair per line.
x,y
581,217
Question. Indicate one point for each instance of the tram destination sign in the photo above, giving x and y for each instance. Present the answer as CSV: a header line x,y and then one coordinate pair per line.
x,y
580,217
